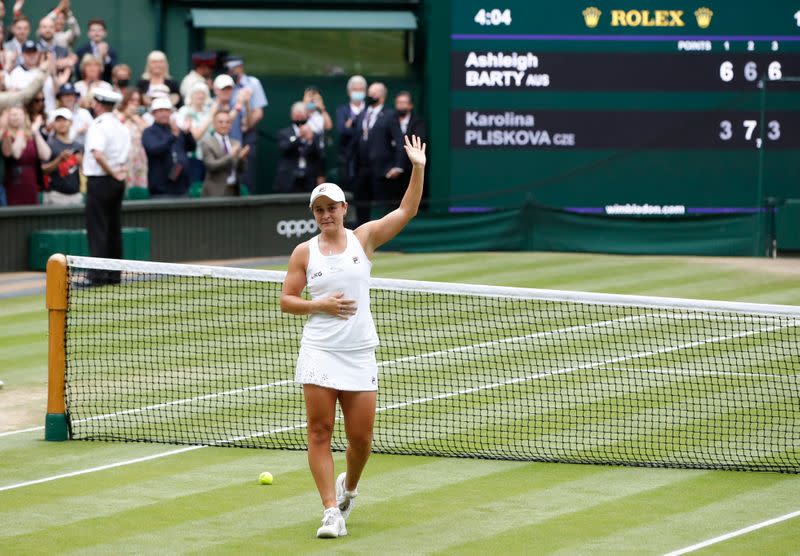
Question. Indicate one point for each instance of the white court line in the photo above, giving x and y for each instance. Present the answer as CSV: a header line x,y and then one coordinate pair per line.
x,y
733,534
184,401
402,404
20,431
101,468
700,372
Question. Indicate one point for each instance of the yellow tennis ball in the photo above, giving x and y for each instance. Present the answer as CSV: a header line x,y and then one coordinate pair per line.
x,y
265,478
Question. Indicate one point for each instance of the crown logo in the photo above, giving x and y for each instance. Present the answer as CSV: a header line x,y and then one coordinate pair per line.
x,y
703,16
591,16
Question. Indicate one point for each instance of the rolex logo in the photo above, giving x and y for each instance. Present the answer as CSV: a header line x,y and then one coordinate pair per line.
x,y
591,16
703,16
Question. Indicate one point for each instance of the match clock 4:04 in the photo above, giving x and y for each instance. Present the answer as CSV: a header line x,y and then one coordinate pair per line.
x,y
493,16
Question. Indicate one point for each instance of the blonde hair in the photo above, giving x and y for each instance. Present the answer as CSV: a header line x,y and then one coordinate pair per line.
x,y
87,59
155,56
26,120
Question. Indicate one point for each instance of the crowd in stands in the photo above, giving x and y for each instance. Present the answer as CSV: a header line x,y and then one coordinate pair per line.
x,y
201,130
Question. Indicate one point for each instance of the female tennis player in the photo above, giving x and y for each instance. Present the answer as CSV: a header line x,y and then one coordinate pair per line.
x,y
337,351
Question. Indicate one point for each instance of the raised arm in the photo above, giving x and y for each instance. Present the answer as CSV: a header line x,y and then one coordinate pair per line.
x,y
199,129
42,148
375,233
10,98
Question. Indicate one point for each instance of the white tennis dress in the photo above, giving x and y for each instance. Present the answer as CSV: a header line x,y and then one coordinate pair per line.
x,y
339,353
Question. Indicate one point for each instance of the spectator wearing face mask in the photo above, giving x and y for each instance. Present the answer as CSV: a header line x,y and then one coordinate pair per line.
x,y
300,152
121,78
378,155
318,117
346,115
411,124
320,122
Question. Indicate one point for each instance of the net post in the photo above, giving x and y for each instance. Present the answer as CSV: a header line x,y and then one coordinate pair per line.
x,y
56,425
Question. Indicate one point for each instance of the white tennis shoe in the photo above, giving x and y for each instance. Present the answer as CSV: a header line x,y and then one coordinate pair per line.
x,y
346,499
332,524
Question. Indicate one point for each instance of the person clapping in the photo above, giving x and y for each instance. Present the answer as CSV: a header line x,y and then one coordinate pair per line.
x,y
166,146
300,151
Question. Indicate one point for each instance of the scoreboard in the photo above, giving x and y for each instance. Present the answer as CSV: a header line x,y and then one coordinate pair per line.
x,y
625,107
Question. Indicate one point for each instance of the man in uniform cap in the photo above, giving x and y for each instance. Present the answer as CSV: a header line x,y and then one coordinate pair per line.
x,y
104,165
203,68
256,101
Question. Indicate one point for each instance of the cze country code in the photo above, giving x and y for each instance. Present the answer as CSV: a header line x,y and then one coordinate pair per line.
x,y
517,138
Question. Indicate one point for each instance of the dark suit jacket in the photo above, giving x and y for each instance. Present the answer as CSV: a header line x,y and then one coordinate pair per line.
x,y
218,168
289,177
165,153
416,126
87,49
346,136
383,148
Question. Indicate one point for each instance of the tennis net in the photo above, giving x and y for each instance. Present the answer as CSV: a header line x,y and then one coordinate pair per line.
x,y
203,355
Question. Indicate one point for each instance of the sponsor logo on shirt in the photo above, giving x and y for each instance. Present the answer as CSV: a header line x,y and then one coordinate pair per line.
x,y
355,260
316,275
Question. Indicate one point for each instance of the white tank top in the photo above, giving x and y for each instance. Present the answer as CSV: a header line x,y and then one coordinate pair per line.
x,y
349,273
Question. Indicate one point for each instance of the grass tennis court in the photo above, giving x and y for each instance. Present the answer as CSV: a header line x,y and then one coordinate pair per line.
x,y
208,499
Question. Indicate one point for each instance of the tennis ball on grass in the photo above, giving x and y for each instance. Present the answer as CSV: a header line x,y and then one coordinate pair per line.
x,y
265,478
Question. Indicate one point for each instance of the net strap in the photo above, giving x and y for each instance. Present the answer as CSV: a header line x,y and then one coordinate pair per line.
x,y
673,303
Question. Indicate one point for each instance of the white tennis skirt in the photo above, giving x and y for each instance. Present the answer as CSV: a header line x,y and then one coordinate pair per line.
x,y
355,370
